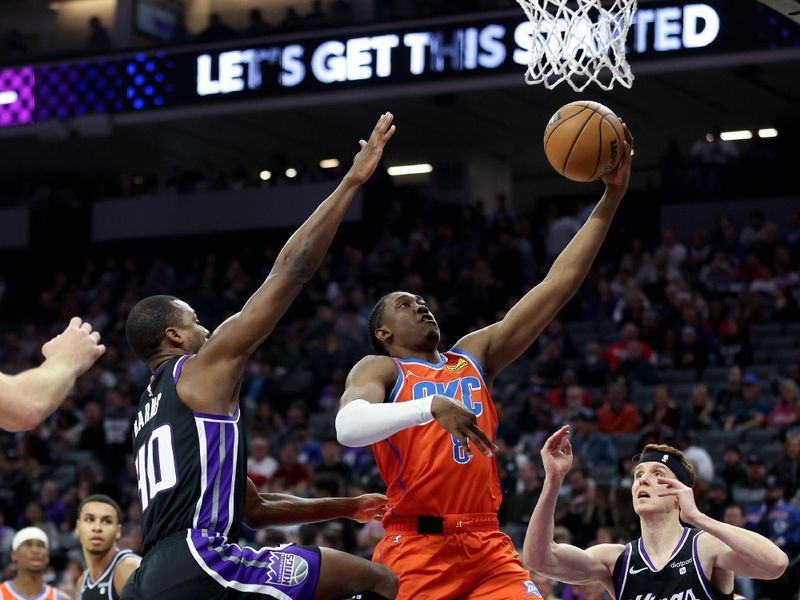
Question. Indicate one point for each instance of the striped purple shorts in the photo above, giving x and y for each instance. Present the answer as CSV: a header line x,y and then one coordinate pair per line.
x,y
286,572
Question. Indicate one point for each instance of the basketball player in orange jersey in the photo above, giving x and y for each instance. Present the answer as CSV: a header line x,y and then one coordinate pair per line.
x,y
442,538
696,561
29,550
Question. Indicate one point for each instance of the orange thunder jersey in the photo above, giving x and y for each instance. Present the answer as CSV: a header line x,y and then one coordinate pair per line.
x,y
7,592
426,469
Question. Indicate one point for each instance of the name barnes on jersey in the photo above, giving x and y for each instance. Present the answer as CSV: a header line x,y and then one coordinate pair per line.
x,y
143,416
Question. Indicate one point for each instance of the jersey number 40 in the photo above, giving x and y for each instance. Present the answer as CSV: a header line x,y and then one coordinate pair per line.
x,y
155,465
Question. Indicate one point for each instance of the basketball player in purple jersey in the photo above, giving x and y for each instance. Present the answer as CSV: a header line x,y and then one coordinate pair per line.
x,y
189,442
670,560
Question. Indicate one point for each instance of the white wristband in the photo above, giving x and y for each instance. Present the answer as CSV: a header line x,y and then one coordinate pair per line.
x,y
361,423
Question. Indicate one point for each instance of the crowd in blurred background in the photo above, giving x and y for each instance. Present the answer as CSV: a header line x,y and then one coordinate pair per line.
x,y
689,341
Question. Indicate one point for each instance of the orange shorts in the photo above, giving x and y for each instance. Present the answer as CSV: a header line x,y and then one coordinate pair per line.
x,y
471,565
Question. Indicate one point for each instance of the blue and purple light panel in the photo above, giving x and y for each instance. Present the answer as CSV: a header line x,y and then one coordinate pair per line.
x,y
17,96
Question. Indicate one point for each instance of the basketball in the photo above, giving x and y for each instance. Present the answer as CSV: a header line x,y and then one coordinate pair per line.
x,y
584,140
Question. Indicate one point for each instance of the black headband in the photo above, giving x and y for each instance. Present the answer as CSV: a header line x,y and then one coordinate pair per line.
x,y
674,465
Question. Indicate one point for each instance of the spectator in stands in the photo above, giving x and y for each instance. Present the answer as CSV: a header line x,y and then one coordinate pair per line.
x,y
732,392
750,491
617,415
593,369
751,410
555,332
733,345
673,249
569,395
595,448
652,334
734,515
716,499
755,231
784,413
616,352
333,464
718,275
291,20
99,39
551,365
256,25
634,368
779,521
517,507
260,465
52,506
787,469
732,470
690,351
291,475
662,417
216,30
561,229
698,413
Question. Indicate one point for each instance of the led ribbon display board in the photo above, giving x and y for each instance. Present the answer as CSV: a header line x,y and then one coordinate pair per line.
x,y
488,44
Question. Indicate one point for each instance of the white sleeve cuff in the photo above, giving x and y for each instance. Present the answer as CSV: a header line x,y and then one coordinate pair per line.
x,y
361,423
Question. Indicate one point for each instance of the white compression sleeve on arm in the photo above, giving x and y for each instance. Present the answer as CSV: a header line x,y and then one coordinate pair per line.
x,y
361,423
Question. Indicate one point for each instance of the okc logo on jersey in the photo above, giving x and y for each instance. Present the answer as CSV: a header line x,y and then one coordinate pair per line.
x,y
286,569
530,588
462,362
458,389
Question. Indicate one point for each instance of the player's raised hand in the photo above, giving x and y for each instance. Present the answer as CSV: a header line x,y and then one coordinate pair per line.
x,y
367,159
462,423
618,179
368,507
77,347
685,496
557,454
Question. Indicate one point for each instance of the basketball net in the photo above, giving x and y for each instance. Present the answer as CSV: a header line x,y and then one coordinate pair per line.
x,y
578,45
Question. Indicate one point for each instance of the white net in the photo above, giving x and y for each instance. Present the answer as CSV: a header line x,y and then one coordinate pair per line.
x,y
579,44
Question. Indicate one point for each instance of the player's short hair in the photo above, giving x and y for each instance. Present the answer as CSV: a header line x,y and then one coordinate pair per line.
x,y
376,320
674,453
102,498
146,324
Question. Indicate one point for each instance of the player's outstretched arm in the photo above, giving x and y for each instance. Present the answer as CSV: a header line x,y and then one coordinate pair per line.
x,y
562,561
262,510
499,344
221,358
744,552
29,398
365,419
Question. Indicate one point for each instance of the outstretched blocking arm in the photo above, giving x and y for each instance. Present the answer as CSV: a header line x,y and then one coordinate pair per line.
x,y
499,344
218,363
263,510
744,552
562,561
29,398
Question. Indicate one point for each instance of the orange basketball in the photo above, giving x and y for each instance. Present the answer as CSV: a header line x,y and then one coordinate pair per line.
x,y
584,140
